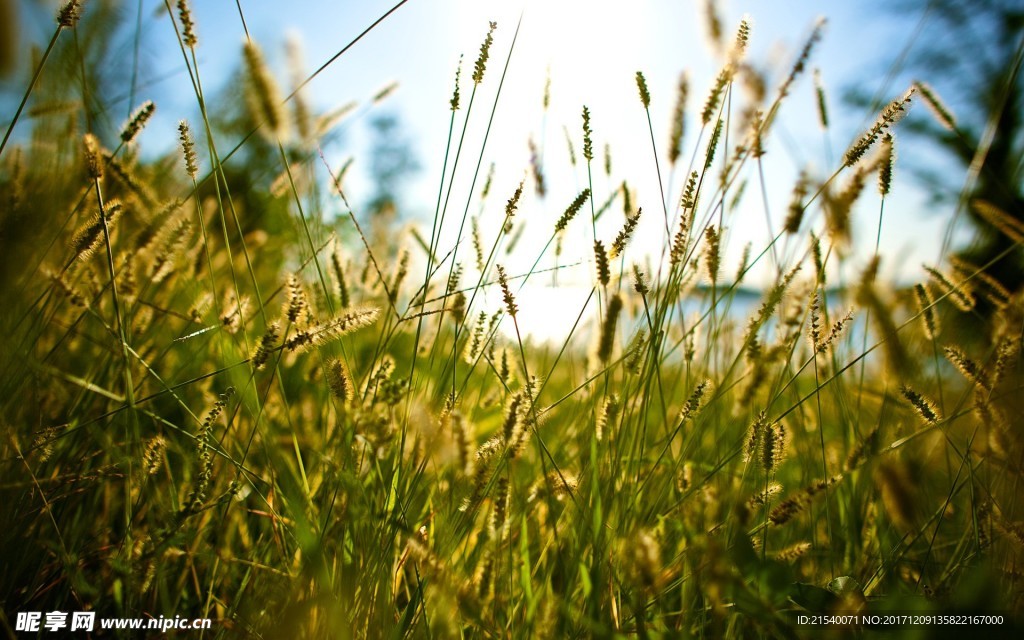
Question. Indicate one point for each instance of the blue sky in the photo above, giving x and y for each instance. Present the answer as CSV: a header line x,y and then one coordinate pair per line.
x,y
591,51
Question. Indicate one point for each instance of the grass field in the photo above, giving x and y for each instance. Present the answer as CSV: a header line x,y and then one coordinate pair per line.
x,y
221,402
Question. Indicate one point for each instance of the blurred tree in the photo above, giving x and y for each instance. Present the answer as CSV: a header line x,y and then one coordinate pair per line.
x,y
973,58
391,163
391,160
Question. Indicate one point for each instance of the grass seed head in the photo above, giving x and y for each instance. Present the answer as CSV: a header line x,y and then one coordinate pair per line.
x,y
926,309
153,455
804,56
588,142
319,334
819,90
639,283
137,121
794,552
766,443
712,257
93,156
619,244
456,96
263,95
1010,226
931,100
188,149
188,28
678,130
606,340
886,164
959,294
641,85
796,205
925,408
88,238
609,413
538,171
266,345
715,95
572,210
604,273
69,14
506,293
696,401
969,368
890,115
480,66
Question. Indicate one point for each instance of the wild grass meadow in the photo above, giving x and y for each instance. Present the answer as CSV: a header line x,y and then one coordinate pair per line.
x,y
233,389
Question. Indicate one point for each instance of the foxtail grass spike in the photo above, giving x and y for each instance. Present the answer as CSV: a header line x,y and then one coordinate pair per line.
x,y
188,149
588,142
572,210
678,130
931,100
263,95
480,66
69,14
137,121
188,28
506,293
641,85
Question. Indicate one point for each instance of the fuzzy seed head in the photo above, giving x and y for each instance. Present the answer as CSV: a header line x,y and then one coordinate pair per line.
x,y
69,14
340,381
675,140
926,306
739,46
137,121
263,95
639,282
485,52
297,304
318,334
796,205
604,273
958,294
696,401
513,202
931,100
588,142
619,244
188,149
794,552
766,443
801,60
89,237
890,115
819,90
969,368
572,210
93,156
609,413
641,85
506,293
712,258
606,340
1010,226
153,456
188,28
715,96
886,162
266,345
454,102
925,408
